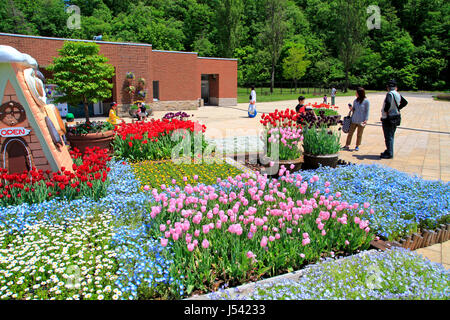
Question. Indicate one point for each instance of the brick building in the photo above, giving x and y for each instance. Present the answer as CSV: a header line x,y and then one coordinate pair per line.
x,y
174,80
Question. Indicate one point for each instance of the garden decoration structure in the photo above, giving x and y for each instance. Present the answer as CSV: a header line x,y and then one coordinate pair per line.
x,y
30,130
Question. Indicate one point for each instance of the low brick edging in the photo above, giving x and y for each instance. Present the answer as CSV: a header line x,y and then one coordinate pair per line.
x,y
245,289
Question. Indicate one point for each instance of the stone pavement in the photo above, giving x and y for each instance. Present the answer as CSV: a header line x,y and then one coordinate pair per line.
x,y
422,142
439,253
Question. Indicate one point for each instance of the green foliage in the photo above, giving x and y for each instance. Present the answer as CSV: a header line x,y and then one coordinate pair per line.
x,y
321,141
411,46
294,65
81,74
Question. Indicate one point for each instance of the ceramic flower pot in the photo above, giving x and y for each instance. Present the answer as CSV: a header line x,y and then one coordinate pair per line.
x,y
312,161
101,139
273,171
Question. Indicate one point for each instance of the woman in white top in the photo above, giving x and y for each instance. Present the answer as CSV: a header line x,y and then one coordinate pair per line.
x,y
252,106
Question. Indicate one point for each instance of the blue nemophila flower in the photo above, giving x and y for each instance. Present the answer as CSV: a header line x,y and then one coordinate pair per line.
x,y
393,274
401,203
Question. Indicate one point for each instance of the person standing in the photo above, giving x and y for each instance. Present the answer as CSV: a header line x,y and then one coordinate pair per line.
x,y
360,117
390,118
325,99
333,96
252,106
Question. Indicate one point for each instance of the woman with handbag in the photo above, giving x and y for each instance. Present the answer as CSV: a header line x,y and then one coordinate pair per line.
x,y
359,117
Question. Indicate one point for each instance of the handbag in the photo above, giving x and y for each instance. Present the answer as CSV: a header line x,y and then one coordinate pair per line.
x,y
395,120
347,122
252,111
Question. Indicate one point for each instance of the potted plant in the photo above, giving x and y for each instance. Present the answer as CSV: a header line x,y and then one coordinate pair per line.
x,y
282,136
130,76
85,81
82,136
321,146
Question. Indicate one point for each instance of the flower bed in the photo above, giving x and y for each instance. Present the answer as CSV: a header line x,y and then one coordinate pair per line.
x,y
88,179
117,248
402,204
103,245
246,228
167,173
393,274
154,140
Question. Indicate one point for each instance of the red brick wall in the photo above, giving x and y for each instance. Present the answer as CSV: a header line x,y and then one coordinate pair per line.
x,y
176,73
179,74
125,58
227,71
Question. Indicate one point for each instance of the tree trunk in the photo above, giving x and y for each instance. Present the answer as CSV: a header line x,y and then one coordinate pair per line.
x,y
272,82
86,111
295,82
346,84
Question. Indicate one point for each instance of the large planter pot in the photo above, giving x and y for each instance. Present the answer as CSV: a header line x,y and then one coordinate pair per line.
x,y
274,170
102,140
312,161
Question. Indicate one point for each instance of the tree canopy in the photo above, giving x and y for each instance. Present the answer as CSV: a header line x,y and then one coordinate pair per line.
x,y
412,44
82,74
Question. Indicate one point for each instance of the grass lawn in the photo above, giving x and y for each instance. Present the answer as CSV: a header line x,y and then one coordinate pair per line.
x,y
265,96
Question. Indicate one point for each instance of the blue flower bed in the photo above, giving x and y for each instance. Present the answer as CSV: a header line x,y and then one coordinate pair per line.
x,y
393,274
132,265
138,259
402,203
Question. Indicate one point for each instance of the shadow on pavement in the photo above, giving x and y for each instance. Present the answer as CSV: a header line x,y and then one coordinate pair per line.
x,y
367,157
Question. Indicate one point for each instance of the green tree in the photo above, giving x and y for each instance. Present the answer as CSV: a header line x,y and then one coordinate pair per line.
x,y
273,34
349,31
229,25
295,64
81,74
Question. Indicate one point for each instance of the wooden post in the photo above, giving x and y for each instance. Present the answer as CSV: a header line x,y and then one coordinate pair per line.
x,y
419,243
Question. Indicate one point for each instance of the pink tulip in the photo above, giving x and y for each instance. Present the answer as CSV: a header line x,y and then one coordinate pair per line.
x,y
306,241
146,188
197,233
164,242
302,255
347,242
324,232
205,244
264,241
162,227
190,247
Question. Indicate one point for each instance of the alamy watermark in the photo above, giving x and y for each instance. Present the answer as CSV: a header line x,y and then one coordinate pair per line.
x,y
374,21
73,279
374,279
74,21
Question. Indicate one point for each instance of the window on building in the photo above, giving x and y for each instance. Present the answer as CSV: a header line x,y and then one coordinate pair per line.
x,y
155,90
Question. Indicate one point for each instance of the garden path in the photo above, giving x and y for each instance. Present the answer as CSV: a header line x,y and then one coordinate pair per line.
x,y
439,253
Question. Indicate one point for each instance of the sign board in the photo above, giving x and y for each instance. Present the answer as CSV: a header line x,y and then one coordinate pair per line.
x,y
14,132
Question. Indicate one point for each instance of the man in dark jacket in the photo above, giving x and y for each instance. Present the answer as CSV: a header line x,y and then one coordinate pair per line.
x,y
390,118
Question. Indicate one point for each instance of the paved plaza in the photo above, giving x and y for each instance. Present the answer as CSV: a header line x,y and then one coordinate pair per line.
x,y
422,142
